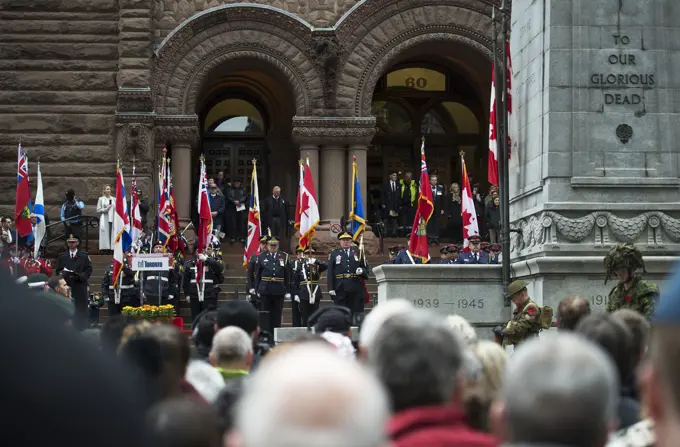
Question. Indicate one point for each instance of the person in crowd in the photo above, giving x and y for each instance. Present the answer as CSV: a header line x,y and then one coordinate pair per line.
x,y
237,211
335,326
202,293
217,206
244,316
307,292
479,207
632,292
439,202
462,328
75,267
426,402
71,211
480,391
182,422
407,203
493,191
286,403
5,237
570,311
493,220
211,183
36,281
390,202
226,404
272,281
275,213
572,399
143,209
58,285
376,318
454,227
475,255
106,208
639,328
112,333
495,255
232,353
614,337
161,287
346,267
206,380
252,271
526,318
203,335
219,180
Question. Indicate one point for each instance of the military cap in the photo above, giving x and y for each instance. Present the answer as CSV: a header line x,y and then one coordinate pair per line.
x,y
71,238
264,239
495,247
623,256
344,235
444,250
394,249
516,286
485,246
453,248
474,238
273,240
37,280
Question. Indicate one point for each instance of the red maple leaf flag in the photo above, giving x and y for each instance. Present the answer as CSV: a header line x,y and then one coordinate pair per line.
x,y
493,143
309,209
467,208
299,197
417,244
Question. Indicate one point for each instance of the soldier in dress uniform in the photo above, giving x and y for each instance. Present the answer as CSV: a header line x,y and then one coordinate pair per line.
x,y
526,318
405,257
632,292
346,267
210,286
107,292
129,285
252,271
76,268
272,281
295,306
306,275
495,254
164,281
394,250
475,255
445,257
453,250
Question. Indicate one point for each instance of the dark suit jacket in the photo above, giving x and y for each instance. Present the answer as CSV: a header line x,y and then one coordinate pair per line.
x,y
80,272
390,199
438,199
268,209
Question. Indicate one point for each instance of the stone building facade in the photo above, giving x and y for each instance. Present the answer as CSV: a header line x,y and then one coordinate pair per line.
x,y
86,82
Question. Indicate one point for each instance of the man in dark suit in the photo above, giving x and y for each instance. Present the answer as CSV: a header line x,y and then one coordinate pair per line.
x,y
346,266
216,207
275,213
438,196
390,203
76,268
237,211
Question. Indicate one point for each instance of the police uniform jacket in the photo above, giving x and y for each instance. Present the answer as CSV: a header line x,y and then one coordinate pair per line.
x,y
306,273
447,261
213,278
129,287
402,258
273,274
469,258
342,266
80,268
252,271
167,280
107,284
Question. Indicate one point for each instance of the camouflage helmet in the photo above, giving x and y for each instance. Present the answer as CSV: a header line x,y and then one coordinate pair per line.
x,y
623,256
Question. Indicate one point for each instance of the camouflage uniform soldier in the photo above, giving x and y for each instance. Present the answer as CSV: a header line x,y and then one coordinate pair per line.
x,y
526,318
632,291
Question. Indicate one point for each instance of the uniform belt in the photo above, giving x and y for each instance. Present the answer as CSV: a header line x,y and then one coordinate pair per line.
x,y
163,278
193,281
347,275
127,287
304,283
272,279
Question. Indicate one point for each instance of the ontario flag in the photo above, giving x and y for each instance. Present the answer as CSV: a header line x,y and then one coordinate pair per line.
x,y
467,209
254,224
417,244
163,199
121,228
493,124
135,214
22,207
309,209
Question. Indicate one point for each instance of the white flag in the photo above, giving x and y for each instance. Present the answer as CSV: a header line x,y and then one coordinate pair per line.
x,y
39,212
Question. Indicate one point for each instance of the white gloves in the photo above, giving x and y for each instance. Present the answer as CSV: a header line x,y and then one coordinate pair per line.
x,y
331,292
360,271
251,291
202,257
312,299
286,296
312,261
297,298
171,297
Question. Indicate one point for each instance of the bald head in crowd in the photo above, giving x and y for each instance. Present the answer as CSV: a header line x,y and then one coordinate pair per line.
x,y
559,389
309,396
570,311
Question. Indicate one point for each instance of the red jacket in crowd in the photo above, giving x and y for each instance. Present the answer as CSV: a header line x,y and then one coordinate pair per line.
x,y
435,426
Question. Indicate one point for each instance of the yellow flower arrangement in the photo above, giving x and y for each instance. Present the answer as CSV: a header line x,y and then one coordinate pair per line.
x,y
153,313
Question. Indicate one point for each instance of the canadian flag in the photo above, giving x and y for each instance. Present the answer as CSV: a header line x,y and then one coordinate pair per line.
x,y
467,208
493,129
308,208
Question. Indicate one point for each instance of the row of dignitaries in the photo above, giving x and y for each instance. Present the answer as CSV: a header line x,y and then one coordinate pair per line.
x,y
452,254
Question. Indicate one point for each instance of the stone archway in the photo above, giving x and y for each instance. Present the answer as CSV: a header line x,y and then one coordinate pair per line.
x,y
224,33
375,33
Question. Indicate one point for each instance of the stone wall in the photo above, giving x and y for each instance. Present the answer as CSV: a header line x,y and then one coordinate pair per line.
x,y
58,65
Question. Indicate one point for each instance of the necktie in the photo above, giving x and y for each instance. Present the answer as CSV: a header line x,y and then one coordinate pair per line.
x,y
394,188
348,252
476,259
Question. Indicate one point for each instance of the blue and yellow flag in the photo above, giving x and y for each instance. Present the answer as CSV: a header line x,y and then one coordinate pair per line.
x,y
356,212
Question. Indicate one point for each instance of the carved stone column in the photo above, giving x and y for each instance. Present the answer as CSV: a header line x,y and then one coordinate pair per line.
x,y
359,151
311,152
181,179
333,195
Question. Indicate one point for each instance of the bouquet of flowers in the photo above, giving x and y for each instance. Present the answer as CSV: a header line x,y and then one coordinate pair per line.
x,y
163,313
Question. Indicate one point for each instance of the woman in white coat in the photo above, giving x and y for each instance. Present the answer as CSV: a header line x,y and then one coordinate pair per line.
x,y
106,207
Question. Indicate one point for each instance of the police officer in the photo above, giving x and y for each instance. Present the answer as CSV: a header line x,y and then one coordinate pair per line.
x,y
632,292
129,286
405,257
295,303
393,251
202,293
252,271
475,255
346,267
445,257
107,291
307,290
495,254
526,318
164,281
272,281
76,268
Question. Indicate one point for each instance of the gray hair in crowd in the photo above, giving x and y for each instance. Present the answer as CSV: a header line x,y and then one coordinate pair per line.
x,y
560,389
462,328
378,316
231,344
418,359
309,396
